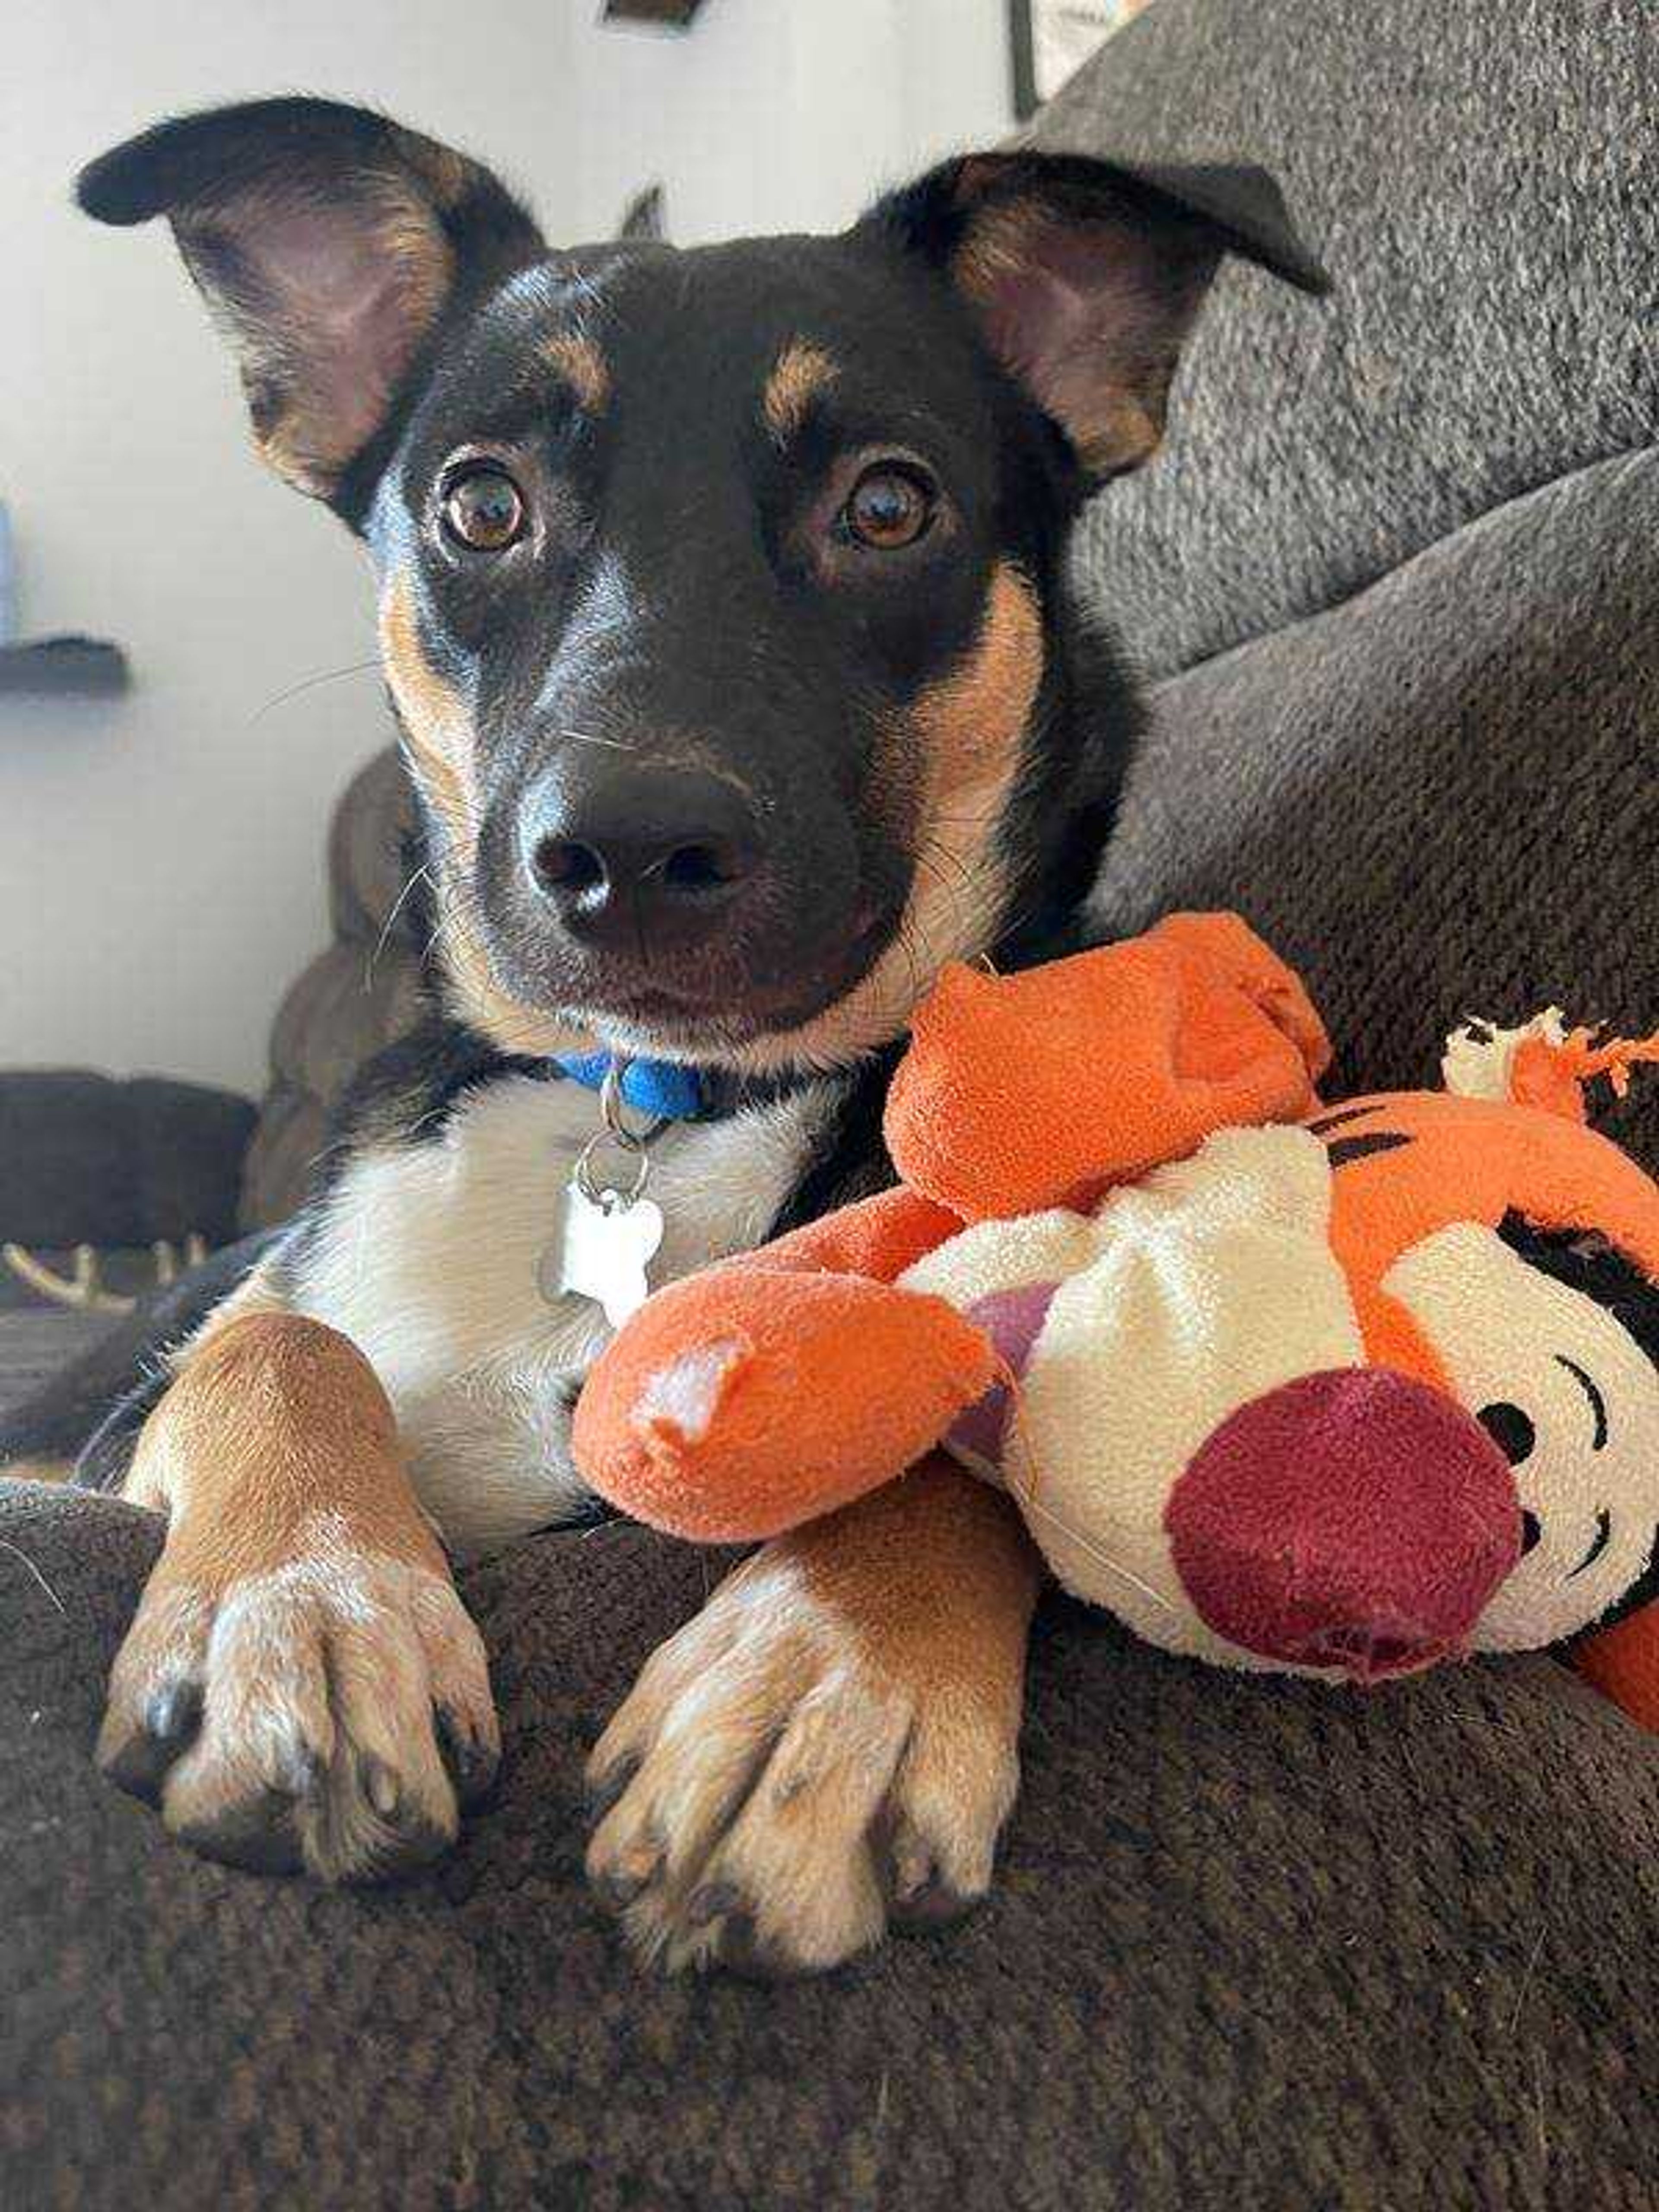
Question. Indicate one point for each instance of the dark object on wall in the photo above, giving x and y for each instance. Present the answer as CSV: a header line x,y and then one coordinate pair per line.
x,y
1024,67
63,667
84,1159
678,13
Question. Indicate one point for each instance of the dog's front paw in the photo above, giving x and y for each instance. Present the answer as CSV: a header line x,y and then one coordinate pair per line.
x,y
328,1711
782,1782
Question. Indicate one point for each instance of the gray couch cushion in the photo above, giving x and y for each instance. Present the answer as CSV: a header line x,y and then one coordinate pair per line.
x,y
1480,179
1441,799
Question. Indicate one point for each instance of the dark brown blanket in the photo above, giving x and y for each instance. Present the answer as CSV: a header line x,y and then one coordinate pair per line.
x,y
1260,1946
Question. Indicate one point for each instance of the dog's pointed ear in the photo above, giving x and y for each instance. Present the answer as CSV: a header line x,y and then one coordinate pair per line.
x,y
328,241
1086,276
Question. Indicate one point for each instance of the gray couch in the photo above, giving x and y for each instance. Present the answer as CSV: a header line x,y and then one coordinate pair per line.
x,y
1256,1947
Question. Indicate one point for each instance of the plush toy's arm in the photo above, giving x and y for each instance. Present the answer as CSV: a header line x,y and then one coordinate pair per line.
x,y
777,1386
1025,1091
1623,1662
879,1237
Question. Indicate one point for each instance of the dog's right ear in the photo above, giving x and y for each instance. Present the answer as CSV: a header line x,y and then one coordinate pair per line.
x,y
328,242
1086,276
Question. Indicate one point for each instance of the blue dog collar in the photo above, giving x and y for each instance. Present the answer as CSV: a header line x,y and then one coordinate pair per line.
x,y
660,1089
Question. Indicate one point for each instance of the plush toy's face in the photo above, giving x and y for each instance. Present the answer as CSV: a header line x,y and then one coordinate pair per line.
x,y
1553,1369
1205,1439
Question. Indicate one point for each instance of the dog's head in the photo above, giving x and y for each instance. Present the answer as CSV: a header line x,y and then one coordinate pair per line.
x,y
719,590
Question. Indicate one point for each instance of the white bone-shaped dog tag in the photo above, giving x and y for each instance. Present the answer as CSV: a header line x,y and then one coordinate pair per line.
x,y
603,1251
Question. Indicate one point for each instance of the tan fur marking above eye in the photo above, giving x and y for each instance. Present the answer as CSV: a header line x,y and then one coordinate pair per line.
x,y
946,777
579,363
801,372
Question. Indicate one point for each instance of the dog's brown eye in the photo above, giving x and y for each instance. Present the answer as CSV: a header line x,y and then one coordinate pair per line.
x,y
889,507
484,510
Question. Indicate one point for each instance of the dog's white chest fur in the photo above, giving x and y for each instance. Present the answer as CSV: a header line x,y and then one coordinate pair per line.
x,y
428,1258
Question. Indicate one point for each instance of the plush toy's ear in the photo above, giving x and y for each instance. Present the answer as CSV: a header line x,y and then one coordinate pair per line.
x,y
327,241
1024,1091
1086,276
1542,1063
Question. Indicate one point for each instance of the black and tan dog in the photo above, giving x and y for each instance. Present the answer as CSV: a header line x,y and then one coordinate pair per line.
x,y
722,605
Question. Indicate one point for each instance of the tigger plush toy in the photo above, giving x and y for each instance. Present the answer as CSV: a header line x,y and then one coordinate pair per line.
x,y
1341,1390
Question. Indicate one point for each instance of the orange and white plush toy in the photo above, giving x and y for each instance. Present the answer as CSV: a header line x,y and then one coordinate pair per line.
x,y
1341,1390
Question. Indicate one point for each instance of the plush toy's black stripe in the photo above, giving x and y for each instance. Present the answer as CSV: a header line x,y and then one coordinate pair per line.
x,y
1360,1148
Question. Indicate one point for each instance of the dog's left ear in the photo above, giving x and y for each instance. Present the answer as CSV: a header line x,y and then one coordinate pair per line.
x,y
1085,276
328,242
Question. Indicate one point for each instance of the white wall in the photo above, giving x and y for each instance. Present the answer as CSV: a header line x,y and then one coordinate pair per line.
x,y
160,871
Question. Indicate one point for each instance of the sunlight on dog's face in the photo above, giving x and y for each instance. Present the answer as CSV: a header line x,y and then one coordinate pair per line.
x,y
714,659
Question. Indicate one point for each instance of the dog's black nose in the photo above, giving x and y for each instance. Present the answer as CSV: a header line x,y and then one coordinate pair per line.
x,y
627,853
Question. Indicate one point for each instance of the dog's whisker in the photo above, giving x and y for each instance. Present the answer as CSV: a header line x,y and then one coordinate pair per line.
x,y
447,924
906,942
312,683
386,927
931,845
587,738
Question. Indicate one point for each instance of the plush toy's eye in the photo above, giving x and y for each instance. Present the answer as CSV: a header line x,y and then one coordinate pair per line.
x,y
483,510
1510,1429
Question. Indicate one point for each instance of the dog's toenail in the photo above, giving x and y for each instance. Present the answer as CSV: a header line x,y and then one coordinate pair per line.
x,y
380,1784
603,1790
742,1952
934,1905
256,1834
623,1883
414,1845
174,1712
712,1902
915,1875
471,1764
137,1762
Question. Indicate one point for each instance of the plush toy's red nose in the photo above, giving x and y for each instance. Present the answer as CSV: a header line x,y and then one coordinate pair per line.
x,y
1355,1519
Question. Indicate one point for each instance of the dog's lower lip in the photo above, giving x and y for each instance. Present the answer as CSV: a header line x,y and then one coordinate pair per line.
x,y
683,1017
